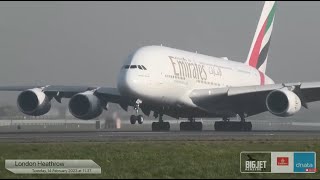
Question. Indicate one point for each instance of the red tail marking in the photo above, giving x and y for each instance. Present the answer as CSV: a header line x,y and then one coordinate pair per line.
x,y
257,45
262,78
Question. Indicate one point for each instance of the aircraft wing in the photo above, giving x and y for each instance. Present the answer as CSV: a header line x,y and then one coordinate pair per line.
x,y
251,99
58,92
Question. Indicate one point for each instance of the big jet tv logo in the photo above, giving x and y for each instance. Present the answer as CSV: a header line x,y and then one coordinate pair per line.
x,y
255,162
256,165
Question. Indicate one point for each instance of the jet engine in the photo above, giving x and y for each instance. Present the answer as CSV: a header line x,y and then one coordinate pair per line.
x,y
85,106
283,103
33,102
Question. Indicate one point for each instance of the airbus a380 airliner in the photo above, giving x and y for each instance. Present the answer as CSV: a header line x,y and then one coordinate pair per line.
x,y
184,84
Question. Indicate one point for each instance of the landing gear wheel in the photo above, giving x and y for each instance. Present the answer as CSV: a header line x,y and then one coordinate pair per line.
x,y
199,126
232,126
166,126
191,126
155,126
160,126
133,119
140,119
250,127
247,126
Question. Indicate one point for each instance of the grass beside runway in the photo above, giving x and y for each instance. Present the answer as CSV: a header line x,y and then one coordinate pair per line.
x,y
174,159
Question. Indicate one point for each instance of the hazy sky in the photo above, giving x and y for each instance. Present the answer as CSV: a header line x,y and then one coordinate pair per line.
x,y
85,43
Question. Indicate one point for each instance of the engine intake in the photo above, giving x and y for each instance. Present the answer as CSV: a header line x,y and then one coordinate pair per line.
x,y
85,106
283,103
33,102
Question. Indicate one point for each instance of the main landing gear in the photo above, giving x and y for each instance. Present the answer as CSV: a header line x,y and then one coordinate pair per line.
x,y
160,126
135,118
226,125
191,126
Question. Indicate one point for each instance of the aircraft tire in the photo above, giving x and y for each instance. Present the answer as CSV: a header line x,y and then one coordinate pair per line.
x,y
191,126
218,126
160,126
248,126
133,119
183,126
198,126
232,126
166,126
154,126
140,119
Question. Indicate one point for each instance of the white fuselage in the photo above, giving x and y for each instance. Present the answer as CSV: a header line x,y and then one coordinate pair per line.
x,y
171,75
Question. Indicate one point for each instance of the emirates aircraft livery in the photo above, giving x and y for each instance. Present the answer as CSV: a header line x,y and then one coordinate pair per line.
x,y
182,84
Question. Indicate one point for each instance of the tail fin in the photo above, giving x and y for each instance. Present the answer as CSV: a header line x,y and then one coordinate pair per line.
x,y
258,53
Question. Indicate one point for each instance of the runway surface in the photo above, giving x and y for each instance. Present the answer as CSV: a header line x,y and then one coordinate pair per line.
x,y
108,136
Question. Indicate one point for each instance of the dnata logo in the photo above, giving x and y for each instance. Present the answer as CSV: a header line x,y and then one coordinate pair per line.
x,y
282,161
304,162
304,165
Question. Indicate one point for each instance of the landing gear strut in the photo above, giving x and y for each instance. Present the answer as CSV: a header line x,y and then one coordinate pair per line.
x,y
160,126
191,126
134,118
227,125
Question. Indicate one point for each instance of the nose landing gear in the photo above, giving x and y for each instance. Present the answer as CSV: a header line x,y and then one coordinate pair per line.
x,y
135,118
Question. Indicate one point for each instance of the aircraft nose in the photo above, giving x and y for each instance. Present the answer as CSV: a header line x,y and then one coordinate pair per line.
x,y
127,84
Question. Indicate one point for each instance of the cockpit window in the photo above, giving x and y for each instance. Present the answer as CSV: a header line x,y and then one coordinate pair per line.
x,y
126,66
134,67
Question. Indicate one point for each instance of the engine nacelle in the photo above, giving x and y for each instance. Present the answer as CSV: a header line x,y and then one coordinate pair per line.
x,y
283,103
33,102
85,106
